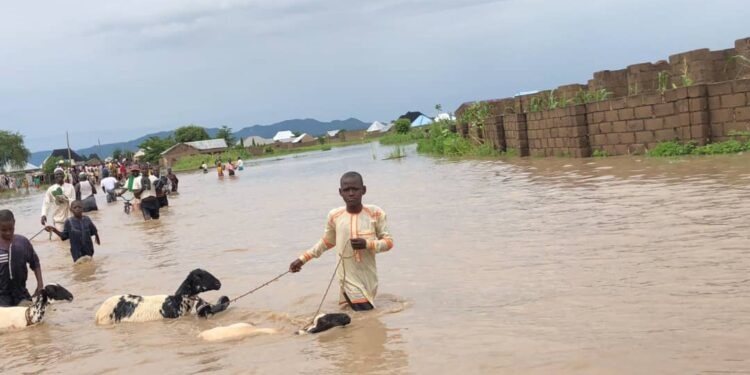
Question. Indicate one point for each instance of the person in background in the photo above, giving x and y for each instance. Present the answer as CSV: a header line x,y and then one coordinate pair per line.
x,y
143,189
240,164
161,188
108,185
219,169
58,197
85,191
172,179
230,168
16,253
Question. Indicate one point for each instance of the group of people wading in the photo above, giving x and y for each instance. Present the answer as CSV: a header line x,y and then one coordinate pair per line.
x,y
356,232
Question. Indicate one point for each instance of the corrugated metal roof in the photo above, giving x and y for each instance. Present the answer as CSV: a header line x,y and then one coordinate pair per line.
x,y
258,141
9,168
284,134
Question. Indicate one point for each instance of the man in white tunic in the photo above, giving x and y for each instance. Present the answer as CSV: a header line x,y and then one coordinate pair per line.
x,y
58,198
358,232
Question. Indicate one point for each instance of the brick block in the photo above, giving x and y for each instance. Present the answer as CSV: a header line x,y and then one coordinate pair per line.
x,y
609,149
654,124
700,133
664,109
742,113
741,85
644,136
635,125
598,117
720,88
714,102
605,127
621,150
643,112
618,103
698,104
738,126
612,138
620,126
637,149
717,130
733,100
683,133
722,115
600,139
627,138
682,105
683,119
594,129
649,99
697,91
699,117
665,135
610,116
626,114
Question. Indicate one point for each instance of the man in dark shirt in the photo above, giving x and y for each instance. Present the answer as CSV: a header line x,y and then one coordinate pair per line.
x,y
16,252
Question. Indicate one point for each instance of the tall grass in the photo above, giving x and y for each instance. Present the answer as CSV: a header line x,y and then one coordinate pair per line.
x,y
441,141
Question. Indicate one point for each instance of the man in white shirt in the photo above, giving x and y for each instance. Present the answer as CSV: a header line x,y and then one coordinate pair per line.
x,y
108,185
143,189
58,198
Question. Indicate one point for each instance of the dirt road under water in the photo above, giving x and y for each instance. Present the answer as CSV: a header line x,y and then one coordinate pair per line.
x,y
613,265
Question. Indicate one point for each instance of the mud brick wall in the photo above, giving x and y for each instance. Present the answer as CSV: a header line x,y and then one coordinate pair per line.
x,y
516,136
633,124
615,81
644,78
494,134
558,132
729,108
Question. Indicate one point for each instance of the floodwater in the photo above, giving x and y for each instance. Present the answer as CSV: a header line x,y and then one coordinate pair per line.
x,y
616,265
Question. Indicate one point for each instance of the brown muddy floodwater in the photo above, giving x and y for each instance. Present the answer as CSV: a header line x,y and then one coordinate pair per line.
x,y
613,265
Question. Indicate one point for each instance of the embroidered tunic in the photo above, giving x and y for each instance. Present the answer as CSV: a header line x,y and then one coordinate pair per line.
x,y
357,276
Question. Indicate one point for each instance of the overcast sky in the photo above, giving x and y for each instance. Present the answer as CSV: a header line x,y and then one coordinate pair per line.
x,y
115,70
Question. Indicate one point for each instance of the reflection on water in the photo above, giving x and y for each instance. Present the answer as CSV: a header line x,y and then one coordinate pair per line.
x,y
611,265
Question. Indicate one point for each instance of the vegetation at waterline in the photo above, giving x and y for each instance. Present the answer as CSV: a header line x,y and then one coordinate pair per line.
x,y
441,141
740,142
193,162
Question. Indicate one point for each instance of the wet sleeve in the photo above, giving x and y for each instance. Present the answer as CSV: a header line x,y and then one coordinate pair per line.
x,y
46,202
31,258
92,228
326,242
65,234
384,241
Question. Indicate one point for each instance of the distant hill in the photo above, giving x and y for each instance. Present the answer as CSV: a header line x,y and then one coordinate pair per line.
x,y
309,126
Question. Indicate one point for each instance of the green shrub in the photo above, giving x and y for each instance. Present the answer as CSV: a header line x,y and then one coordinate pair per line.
x,y
402,126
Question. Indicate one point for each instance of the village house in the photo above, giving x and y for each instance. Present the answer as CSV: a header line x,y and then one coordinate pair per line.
x,y
181,150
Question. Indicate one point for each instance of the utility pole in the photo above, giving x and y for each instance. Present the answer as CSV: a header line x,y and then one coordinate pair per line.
x,y
67,141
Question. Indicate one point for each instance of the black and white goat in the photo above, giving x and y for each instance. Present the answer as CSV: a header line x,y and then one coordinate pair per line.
x,y
133,308
21,317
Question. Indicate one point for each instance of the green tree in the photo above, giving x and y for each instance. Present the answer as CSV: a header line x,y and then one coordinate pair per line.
x,y
154,146
226,133
12,150
50,164
117,154
402,125
190,133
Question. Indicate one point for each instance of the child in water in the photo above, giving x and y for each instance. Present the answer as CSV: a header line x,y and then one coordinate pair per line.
x,y
16,253
79,230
